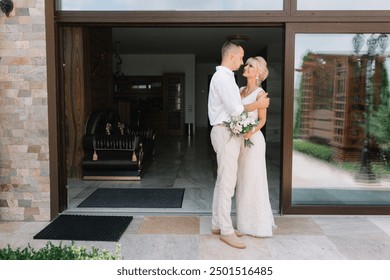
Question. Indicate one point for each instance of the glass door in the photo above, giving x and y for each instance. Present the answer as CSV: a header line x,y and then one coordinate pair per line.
x,y
340,133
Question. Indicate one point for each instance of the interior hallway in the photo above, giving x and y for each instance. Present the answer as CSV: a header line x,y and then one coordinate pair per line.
x,y
181,162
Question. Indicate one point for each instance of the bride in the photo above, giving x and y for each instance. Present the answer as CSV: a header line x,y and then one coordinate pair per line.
x,y
254,213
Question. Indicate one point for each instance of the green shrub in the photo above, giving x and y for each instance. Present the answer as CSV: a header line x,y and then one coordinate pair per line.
x,y
323,152
316,150
58,252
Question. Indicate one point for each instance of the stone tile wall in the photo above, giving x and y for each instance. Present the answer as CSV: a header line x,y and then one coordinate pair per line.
x,y
24,150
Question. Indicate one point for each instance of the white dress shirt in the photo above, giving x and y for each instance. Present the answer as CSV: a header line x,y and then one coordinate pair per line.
x,y
224,97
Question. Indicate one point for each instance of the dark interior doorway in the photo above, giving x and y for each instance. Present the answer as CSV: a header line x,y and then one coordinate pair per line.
x,y
93,55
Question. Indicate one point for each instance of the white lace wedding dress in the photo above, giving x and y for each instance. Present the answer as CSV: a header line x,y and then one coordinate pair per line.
x,y
254,213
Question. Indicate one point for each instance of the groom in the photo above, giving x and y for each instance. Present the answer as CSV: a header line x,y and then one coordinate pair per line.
x,y
225,101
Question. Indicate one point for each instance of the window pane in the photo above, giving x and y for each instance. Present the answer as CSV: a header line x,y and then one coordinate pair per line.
x,y
169,5
344,5
341,143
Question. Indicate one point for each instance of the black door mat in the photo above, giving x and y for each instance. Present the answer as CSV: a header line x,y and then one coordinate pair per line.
x,y
135,198
85,228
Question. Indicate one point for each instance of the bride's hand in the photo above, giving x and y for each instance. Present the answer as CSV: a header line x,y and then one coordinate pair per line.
x,y
248,135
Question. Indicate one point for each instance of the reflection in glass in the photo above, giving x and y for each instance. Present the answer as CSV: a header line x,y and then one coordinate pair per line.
x,y
341,120
345,5
169,5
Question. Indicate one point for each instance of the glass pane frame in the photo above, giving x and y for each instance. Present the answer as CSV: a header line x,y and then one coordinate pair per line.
x,y
326,5
286,201
169,5
173,17
337,15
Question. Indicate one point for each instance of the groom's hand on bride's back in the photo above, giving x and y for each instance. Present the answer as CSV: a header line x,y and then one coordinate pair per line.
x,y
263,101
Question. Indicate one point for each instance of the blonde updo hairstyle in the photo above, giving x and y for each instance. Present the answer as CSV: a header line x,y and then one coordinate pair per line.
x,y
261,66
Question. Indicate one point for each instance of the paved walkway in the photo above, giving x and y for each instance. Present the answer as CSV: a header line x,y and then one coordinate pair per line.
x,y
309,172
190,238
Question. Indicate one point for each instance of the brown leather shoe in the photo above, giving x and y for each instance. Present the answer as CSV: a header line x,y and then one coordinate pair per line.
x,y
218,232
232,240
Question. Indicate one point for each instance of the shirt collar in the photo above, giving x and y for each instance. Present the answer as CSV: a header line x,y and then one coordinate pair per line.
x,y
225,69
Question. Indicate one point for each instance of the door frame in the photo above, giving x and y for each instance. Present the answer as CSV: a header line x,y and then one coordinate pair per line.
x,y
55,20
292,20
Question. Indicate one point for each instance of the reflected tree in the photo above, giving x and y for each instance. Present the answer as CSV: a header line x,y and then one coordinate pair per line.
x,y
380,125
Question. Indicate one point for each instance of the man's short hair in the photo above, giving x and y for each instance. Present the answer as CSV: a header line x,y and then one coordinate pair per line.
x,y
229,46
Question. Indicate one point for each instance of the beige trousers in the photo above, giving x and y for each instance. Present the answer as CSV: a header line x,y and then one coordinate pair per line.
x,y
227,148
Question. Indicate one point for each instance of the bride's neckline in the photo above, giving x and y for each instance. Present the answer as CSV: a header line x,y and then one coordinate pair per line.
x,y
246,92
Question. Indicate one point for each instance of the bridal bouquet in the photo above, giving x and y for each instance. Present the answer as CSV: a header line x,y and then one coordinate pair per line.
x,y
242,124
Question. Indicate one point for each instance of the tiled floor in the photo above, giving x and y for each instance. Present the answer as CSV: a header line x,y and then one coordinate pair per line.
x,y
189,237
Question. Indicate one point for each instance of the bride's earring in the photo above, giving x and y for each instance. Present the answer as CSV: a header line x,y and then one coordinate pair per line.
x,y
258,80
